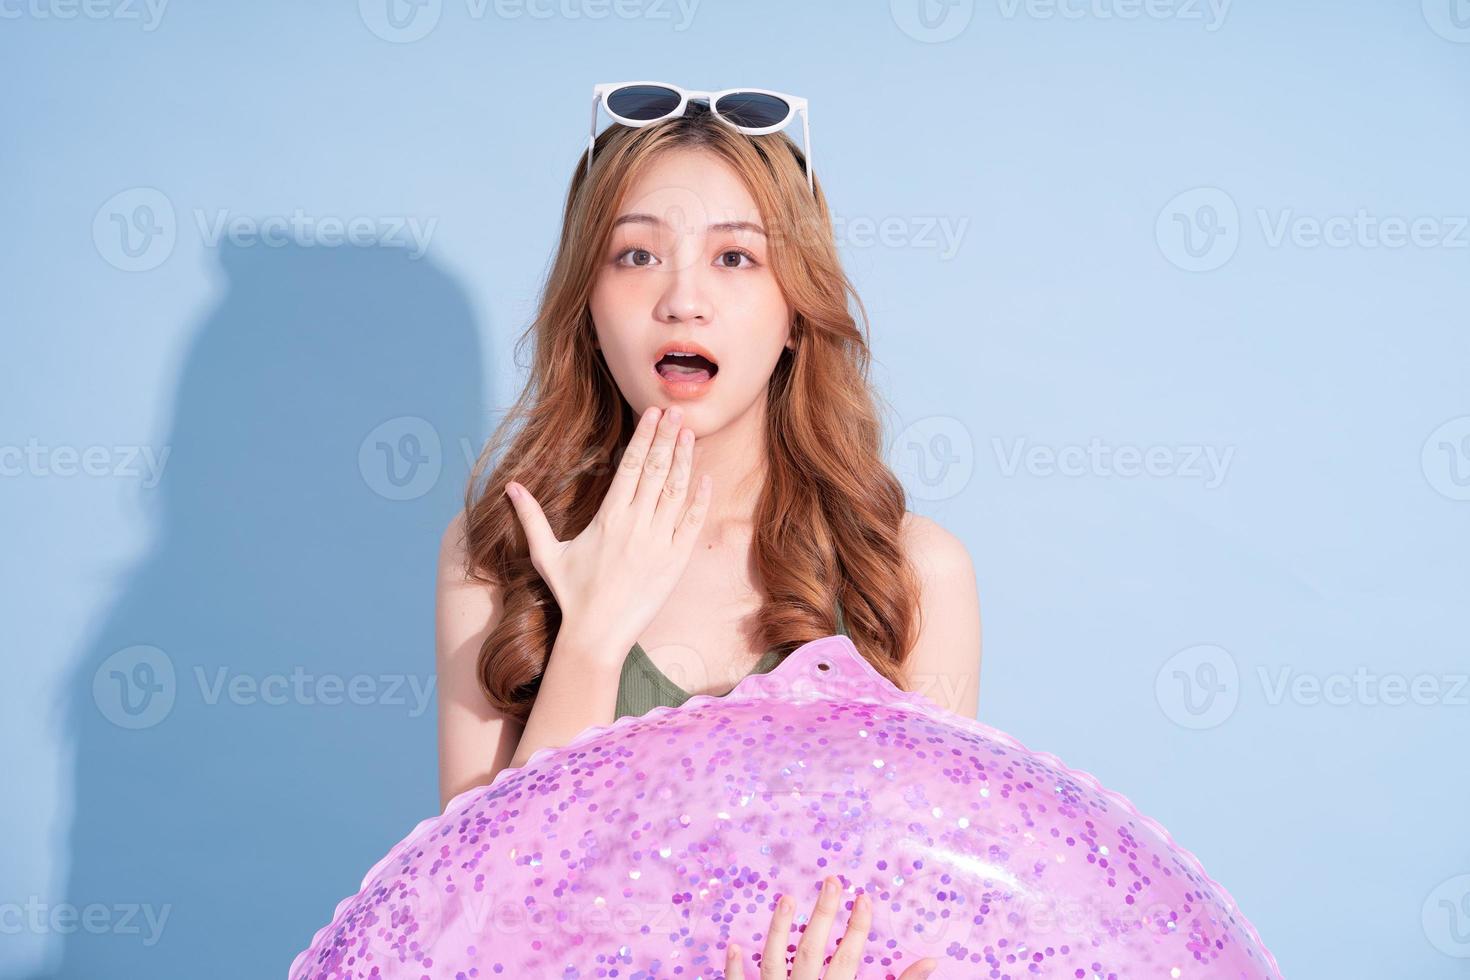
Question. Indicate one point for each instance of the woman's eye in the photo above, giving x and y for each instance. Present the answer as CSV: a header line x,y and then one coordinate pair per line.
x,y
642,256
738,254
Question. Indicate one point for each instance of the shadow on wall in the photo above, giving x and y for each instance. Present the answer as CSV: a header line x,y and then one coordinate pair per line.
x,y
253,723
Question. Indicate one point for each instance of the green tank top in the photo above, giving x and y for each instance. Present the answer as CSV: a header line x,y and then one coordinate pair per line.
x,y
643,687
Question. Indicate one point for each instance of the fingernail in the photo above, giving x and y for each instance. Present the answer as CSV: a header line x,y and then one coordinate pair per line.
x,y
513,491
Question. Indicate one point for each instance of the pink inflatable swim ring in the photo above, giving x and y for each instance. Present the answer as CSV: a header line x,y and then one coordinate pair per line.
x,y
642,848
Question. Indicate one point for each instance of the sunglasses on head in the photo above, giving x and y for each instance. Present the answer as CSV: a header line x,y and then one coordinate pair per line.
x,y
753,111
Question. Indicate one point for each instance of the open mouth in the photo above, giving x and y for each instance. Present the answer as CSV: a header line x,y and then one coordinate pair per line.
x,y
686,366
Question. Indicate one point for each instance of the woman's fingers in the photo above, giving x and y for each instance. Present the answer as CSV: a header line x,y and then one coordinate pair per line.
x,y
773,956
671,499
813,945
920,970
630,468
539,536
689,524
734,969
849,953
656,466
809,952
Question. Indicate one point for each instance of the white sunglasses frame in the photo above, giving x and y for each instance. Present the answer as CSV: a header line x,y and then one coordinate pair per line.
x,y
797,107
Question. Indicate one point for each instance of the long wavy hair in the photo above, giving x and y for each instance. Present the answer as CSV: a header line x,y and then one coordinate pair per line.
x,y
828,518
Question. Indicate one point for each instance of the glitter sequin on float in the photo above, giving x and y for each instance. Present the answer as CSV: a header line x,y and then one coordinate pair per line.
x,y
641,849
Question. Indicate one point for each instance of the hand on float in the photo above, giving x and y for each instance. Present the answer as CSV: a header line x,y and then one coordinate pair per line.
x,y
808,962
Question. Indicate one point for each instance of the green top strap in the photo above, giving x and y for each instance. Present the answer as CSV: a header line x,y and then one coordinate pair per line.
x,y
642,686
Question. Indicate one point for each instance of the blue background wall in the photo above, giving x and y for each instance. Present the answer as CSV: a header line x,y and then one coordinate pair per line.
x,y
1230,240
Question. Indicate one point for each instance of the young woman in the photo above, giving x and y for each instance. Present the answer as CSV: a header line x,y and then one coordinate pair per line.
x,y
691,483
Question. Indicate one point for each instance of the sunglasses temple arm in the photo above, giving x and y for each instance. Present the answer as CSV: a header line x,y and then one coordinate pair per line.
x,y
592,133
806,145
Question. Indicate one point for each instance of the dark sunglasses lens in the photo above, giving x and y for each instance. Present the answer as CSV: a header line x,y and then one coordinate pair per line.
x,y
643,101
754,109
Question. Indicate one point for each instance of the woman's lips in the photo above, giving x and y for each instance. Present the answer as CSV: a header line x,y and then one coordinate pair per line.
x,y
686,352
684,386
676,372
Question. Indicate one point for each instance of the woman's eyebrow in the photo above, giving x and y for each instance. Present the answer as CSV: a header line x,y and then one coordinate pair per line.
x,y
639,217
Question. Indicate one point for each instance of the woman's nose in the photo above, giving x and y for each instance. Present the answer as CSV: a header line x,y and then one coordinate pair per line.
x,y
682,298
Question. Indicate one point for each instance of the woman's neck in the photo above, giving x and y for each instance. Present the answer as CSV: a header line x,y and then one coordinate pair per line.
x,y
735,456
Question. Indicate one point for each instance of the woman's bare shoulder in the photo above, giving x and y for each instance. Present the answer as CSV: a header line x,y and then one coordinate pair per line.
x,y
476,740
944,663
467,601
932,548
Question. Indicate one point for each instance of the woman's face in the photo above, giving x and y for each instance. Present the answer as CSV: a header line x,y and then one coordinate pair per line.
x,y
687,270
